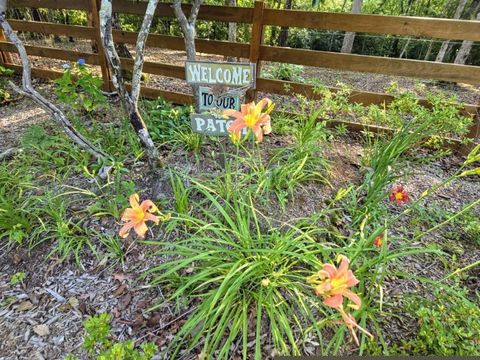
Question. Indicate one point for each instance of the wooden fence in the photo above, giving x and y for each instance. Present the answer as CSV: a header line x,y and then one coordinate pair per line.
x,y
256,51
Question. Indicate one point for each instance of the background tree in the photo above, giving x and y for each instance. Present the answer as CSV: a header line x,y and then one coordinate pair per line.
x,y
350,36
283,36
188,29
466,47
232,27
446,44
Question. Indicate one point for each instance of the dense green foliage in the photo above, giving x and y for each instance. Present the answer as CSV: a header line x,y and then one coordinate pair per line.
x,y
79,88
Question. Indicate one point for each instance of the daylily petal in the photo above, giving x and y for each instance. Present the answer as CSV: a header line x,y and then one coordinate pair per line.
x,y
354,298
141,229
232,113
334,301
323,288
126,229
330,270
237,126
257,130
134,199
351,279
153,218
129,215
148,205
342,269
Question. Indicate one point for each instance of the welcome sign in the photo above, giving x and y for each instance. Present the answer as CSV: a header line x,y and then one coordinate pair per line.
x,y
211,125
208,100
214,73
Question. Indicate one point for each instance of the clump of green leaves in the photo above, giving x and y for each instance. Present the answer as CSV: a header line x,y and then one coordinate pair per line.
x,y
448,324
17,278
5,95
245,275
79,88
98,343
286,72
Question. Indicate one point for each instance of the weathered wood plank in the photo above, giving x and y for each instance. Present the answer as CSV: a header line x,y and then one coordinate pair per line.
x,y
51,53
174,71
373,64
51,4
207,12
176,43
82,32
379,24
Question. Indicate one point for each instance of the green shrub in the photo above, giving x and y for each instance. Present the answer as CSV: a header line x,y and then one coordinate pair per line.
x,y
286,72
79,88
448,325
5,95
98,343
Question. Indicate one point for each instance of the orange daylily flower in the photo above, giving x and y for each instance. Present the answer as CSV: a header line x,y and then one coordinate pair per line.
x,y
334,284
251,116
378,241
399,194
137,216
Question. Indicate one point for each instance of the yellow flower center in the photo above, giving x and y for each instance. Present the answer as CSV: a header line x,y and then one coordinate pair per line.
x,y
399,196
338,284
139,214
250,120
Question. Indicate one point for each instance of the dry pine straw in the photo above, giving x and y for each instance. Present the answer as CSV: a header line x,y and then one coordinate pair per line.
x,y
60,295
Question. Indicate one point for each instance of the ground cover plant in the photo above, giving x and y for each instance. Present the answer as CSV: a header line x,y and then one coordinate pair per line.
x,y
277,242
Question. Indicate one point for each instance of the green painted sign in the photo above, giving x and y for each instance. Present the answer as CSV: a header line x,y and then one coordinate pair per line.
x,y
209,124
209,100
216,73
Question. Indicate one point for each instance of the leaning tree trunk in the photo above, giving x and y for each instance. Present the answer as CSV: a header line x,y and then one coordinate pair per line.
x,y
130,100
28,90
188,29
350,36
446,44
466,47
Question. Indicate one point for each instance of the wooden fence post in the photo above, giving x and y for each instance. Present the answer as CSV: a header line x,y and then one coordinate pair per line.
x,y
255,43
5,58
95,21
474,133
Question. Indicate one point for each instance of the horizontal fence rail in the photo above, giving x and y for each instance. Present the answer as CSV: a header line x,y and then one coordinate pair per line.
x,y
255,51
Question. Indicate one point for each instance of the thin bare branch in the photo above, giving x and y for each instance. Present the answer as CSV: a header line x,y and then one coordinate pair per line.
x,y
28,90
129,99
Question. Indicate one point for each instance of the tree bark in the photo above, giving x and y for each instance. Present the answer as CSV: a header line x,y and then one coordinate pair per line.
x,y
283,36
466,47
130,100
232,28
121,48
28,90
446,44
350,36
188,29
